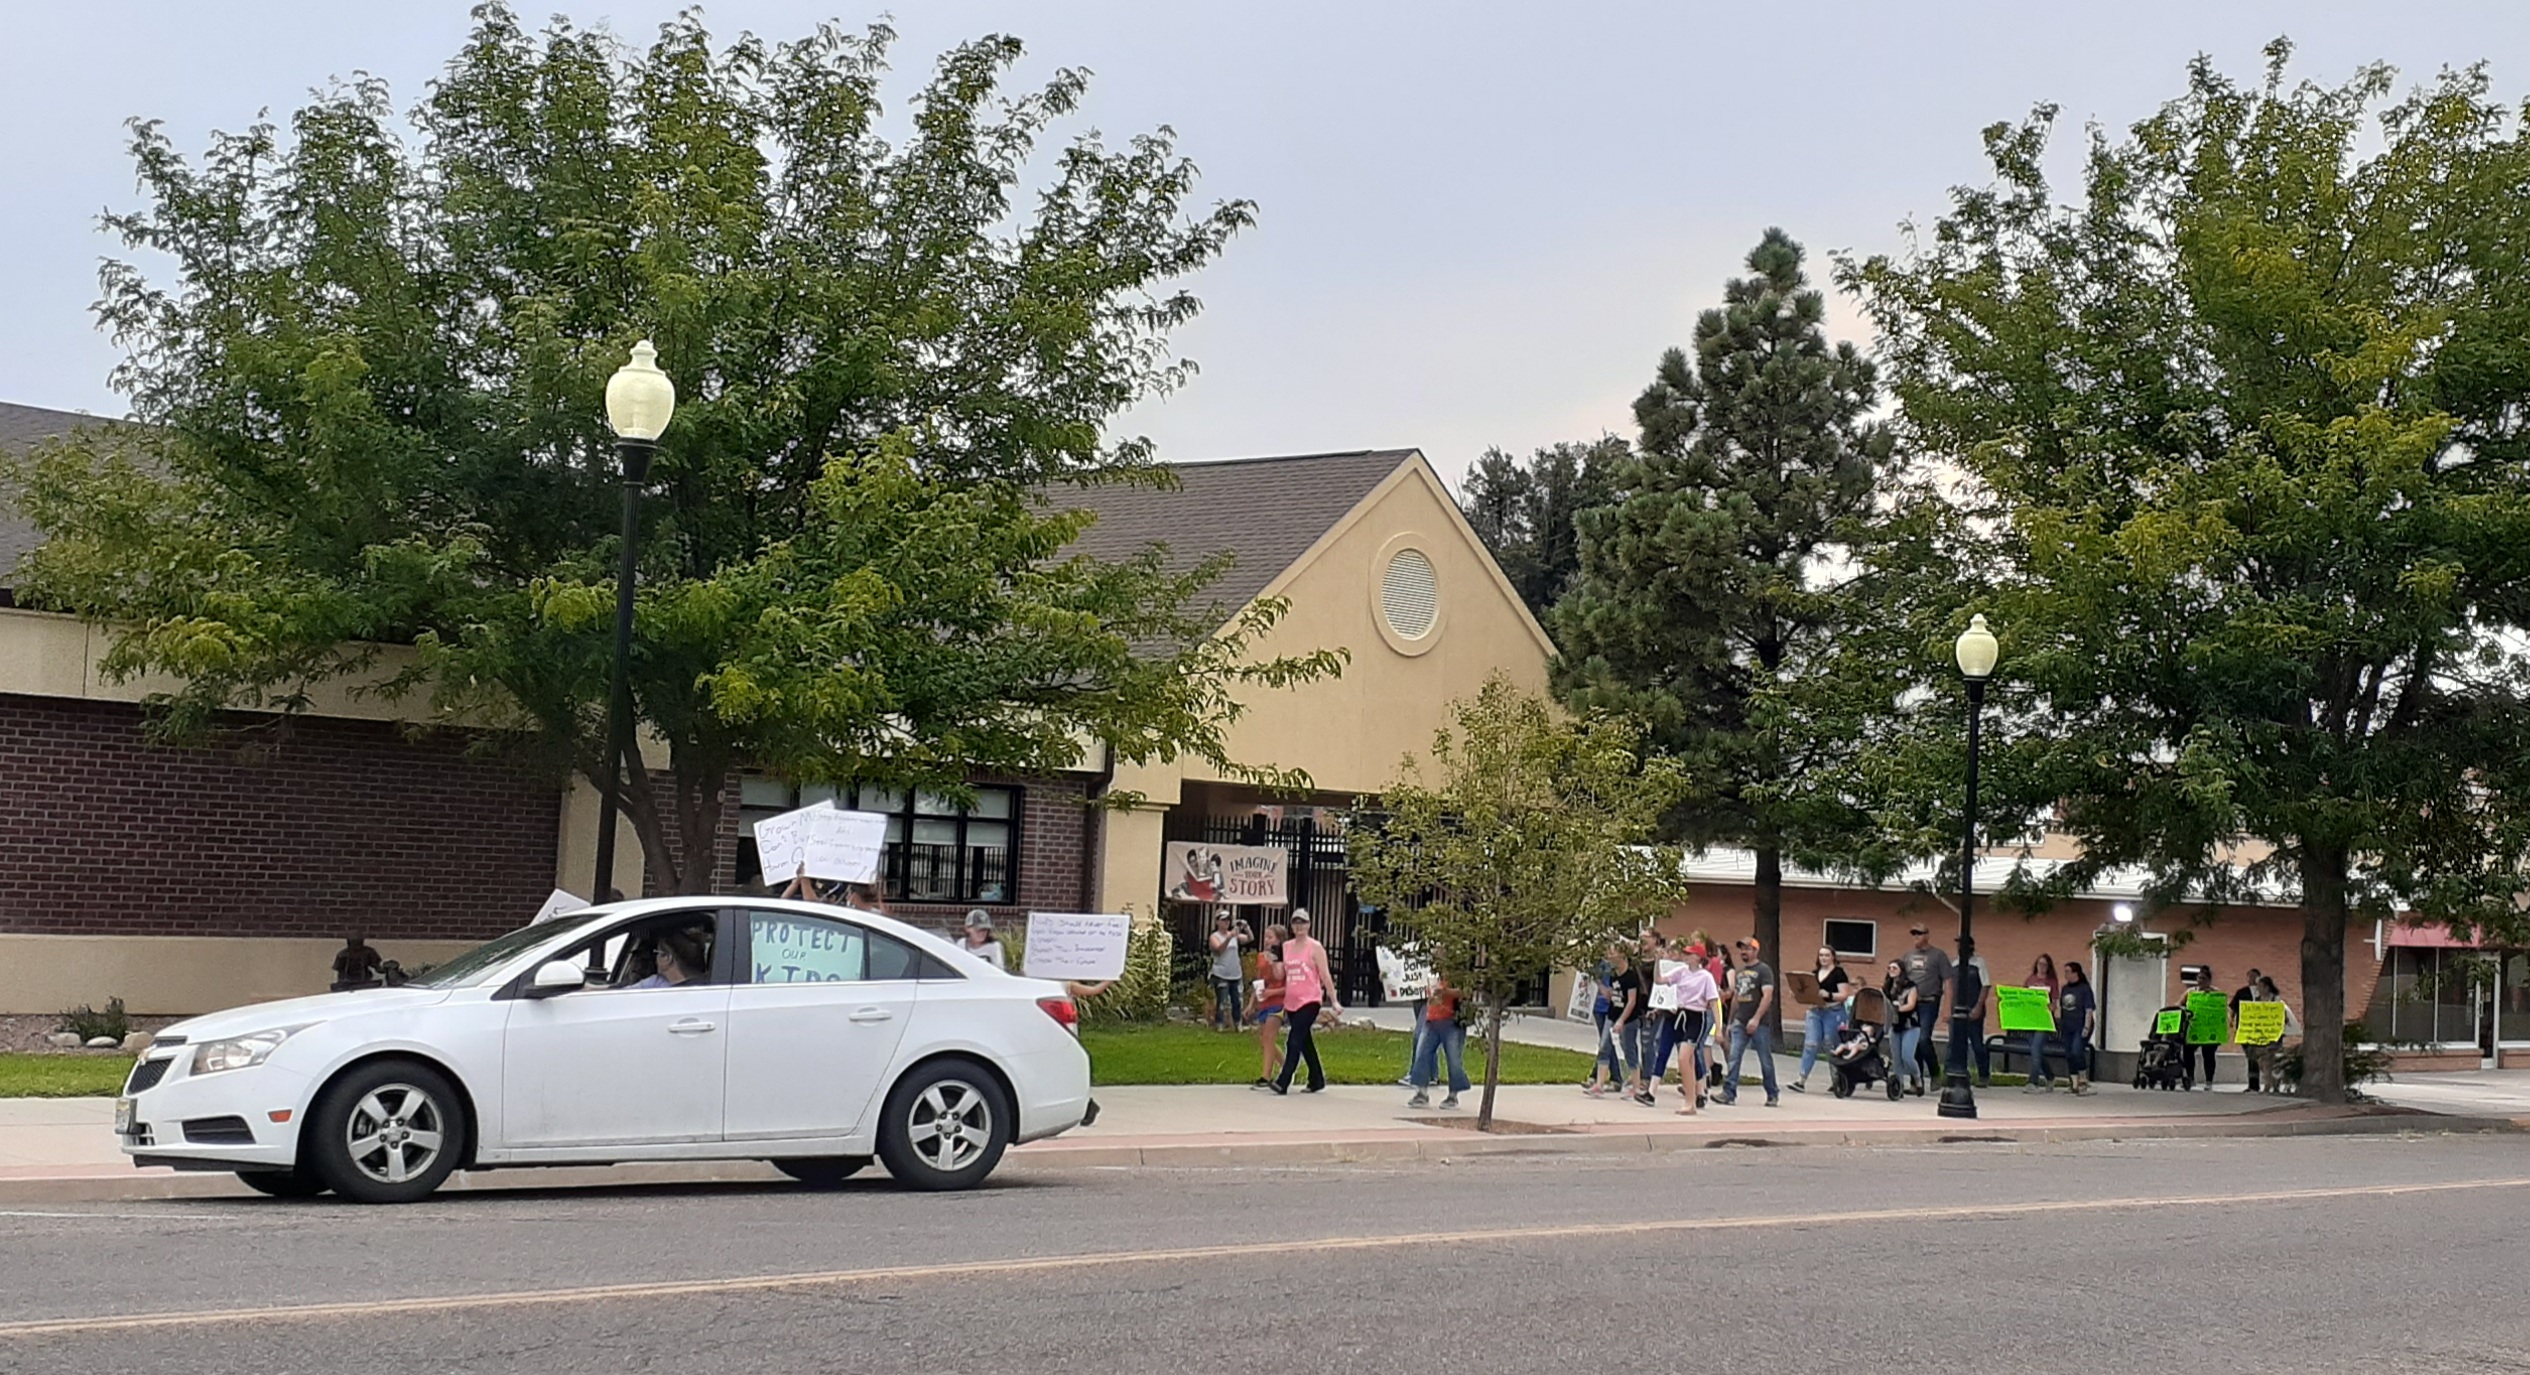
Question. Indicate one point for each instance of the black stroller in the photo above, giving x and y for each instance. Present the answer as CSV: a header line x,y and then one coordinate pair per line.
x,y
2161,1062
1856,1060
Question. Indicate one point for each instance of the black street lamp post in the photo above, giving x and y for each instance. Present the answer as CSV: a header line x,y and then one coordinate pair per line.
x,y
1976,652
640,400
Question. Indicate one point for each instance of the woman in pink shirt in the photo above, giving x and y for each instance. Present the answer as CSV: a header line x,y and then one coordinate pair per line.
x,y
1307,987
1696,994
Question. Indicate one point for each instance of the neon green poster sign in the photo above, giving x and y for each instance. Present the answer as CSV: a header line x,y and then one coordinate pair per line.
x,y
2208,1019
2024,1009
2167,1023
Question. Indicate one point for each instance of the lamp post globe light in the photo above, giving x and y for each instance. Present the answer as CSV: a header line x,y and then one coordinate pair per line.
x,y
1976,653
640,400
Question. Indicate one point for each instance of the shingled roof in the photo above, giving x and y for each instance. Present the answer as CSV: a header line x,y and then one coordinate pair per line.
x,y
21,428
1265,512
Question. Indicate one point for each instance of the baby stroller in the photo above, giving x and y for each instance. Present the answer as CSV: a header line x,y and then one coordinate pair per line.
x,y
2161,1061
1856,1062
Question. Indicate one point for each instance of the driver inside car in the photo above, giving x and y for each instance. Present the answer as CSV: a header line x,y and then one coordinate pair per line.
x,y
681,959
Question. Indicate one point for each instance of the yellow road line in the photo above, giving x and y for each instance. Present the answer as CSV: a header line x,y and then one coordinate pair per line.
x,y
604,1293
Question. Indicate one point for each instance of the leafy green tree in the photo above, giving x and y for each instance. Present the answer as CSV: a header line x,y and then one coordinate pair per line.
x,y
1522,843
1528,513
2241,434
371,379
1710,600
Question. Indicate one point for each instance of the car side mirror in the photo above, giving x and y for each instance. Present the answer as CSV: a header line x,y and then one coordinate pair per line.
x,y
556,976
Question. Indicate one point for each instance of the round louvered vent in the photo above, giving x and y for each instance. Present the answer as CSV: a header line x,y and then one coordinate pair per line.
x,y
1410,594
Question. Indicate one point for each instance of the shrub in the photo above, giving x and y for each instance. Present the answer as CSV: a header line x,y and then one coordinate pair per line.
x,y
87,1023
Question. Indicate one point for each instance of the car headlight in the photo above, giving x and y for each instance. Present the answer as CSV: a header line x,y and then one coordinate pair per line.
x,y
240,1052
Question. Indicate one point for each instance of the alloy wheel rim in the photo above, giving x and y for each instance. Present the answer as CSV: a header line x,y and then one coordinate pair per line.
x,y
949,1126
394,1134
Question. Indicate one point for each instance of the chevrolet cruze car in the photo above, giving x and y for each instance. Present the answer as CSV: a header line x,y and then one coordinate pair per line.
x,y
810,1036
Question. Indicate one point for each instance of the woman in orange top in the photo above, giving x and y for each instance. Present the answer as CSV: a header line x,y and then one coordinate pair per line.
x,y
1269,1004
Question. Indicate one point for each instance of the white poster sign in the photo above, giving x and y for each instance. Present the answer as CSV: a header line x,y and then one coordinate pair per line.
x,y
1402,978
561,904
822,841
1076,945
1581,1005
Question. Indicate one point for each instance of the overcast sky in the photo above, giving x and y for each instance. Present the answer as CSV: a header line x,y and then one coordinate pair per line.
x,y
1479,223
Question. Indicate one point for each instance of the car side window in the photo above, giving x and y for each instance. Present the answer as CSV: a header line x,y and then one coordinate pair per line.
x,y
891,958
629,956
788,948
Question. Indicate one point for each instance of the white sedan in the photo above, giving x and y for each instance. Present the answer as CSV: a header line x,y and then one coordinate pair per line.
x,y
810,1036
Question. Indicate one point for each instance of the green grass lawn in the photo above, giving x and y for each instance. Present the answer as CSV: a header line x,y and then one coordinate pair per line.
x,y
1181,1053
62,1076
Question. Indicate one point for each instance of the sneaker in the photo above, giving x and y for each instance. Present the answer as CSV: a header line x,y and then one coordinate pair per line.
x,y
1279,1090
1647,1100
1799,1086
1919,1088
1774,1102
1421,1100
1405,1081
1262,1083
1316,1088
1450,1103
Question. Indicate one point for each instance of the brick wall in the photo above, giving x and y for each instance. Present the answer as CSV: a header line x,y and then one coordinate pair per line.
x,y
1054,832
724,866
313,828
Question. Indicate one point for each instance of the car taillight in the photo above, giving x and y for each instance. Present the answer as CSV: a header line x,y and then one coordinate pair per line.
x,y
1061,1010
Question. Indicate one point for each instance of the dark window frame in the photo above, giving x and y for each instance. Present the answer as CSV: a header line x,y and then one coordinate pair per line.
x,y
896,862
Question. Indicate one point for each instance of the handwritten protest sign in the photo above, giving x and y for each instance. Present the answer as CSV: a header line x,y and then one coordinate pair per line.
x,y
2208,1019
1402,977
1664,993
2166,1022
1197,871
2261,1024
2025,1009
1581,1003
822,841
804,952
561,903
1076,945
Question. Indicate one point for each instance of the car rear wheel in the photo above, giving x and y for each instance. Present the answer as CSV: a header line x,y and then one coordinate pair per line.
x,y
823,1171
946,1126
386,1132
281,1183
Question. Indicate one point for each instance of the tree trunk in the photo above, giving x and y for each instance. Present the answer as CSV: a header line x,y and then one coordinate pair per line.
x,y
1769,917
2323,973
1493,1060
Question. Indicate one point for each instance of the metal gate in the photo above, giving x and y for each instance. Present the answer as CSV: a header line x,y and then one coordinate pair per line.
x,y
1318,880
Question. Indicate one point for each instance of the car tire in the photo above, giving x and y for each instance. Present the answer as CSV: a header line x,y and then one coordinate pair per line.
x,y
946,1126
823,1171
389,1131
281,1183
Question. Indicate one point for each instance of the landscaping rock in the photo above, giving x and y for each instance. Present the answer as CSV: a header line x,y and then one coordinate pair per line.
x,y
137,1042
102,1043
67,1040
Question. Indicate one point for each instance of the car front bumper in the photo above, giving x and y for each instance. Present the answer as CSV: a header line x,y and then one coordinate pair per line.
x,y
216,1121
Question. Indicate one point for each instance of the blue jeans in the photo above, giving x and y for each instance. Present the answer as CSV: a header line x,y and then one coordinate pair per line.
x,y
1819,1031
1225,998
1414,1053
2038,1057
1607,1049
2077,1052
1904,1066
1763,1039
1664,1040
1629,1043
1440,1040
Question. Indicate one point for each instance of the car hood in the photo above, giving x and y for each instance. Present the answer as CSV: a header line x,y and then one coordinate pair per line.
x,y
324,1007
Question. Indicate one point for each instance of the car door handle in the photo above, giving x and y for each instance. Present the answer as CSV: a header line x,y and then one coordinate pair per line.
x,y
872,1014
691,1026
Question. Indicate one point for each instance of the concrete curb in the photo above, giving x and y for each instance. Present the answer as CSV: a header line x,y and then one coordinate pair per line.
x,y
1432,1146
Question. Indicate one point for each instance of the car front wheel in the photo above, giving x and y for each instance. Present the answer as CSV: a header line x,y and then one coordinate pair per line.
x,y
947,1124
387,1132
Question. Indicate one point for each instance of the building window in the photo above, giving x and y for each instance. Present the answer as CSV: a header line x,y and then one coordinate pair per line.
x,y
937,850
1851,939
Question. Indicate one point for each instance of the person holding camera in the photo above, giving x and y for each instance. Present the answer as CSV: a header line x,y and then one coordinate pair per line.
x,y
1229,975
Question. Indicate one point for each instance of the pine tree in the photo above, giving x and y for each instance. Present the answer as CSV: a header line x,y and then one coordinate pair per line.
x,y
1527,513
1707,604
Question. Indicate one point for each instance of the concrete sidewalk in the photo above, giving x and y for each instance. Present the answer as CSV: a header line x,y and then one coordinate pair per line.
x,y
59,1150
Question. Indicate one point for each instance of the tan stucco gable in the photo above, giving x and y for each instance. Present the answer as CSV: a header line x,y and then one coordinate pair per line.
x,y
1350,732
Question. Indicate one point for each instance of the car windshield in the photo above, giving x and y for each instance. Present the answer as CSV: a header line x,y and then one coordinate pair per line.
x,y
469,966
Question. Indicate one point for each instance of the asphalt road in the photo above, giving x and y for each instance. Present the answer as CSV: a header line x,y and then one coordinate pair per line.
x,y
2277,1255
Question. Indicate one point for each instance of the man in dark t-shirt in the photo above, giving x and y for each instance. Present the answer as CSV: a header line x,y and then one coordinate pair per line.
x,y
1753,994
1629,1001
1928,968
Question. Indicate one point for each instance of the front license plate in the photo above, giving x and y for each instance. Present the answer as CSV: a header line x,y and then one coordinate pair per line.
x,y
122,1117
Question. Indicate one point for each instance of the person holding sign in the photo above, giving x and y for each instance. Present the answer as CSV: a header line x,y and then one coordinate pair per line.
x,y
1308,989
2077,1017
2246,993
1825,1021
2204,1023
2042,975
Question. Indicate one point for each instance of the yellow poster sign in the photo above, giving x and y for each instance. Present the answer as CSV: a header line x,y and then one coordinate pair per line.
x,y
2261,1024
